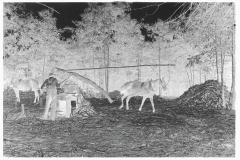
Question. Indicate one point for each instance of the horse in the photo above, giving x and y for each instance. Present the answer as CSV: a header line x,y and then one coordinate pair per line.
x,y
25,85
137,88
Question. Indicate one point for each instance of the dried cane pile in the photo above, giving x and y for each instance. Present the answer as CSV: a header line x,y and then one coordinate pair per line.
x,y
84,108
206,95
115,94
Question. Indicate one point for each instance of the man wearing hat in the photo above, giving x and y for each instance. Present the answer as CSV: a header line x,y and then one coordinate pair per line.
x,y
50,86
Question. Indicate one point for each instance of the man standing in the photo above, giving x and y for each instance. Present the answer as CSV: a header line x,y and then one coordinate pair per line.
x,y
50,86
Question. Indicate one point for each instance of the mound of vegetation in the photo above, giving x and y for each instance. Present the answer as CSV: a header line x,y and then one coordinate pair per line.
x,y
206,95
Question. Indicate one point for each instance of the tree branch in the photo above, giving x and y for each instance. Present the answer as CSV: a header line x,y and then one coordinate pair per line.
x,y
144,7
192,14
48,7
173,14
149,6
155,10
179,15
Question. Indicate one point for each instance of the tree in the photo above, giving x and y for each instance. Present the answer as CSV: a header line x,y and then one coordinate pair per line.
x,y
207,29
28,40
107,29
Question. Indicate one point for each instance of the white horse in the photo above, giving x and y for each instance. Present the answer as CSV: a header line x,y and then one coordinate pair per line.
x,y
144,89
25,85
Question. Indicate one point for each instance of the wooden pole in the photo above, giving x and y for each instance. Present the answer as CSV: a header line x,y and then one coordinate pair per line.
x,y
122,67
94,74
106,59
216,56
138,66
160,91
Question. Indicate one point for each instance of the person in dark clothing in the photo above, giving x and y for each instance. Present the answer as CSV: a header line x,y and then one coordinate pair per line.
x,y
50,86
51,82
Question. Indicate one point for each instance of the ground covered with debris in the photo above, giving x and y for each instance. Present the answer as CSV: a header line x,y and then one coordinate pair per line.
x,y
180,128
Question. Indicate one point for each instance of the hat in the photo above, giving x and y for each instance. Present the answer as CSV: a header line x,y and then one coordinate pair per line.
x,y
51,74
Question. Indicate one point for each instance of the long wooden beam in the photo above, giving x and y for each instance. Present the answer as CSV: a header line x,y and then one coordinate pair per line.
x,y
122,67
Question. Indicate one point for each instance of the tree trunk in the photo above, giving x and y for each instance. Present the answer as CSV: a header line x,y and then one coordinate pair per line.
x,y
193,75
106,44
216,57
200,76
222,74
188,79
233,94
101,72
28,70
94,74
205,76
84,79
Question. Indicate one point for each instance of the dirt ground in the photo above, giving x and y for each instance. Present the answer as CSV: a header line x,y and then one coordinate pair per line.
x,y
173,131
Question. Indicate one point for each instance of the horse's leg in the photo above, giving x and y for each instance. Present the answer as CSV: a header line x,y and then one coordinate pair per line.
x,y
17,99
143,100
128,98
151,99
36,94
17,94
122,98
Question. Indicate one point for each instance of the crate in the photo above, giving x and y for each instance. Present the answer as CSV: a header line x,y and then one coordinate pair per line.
x,y
64,107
